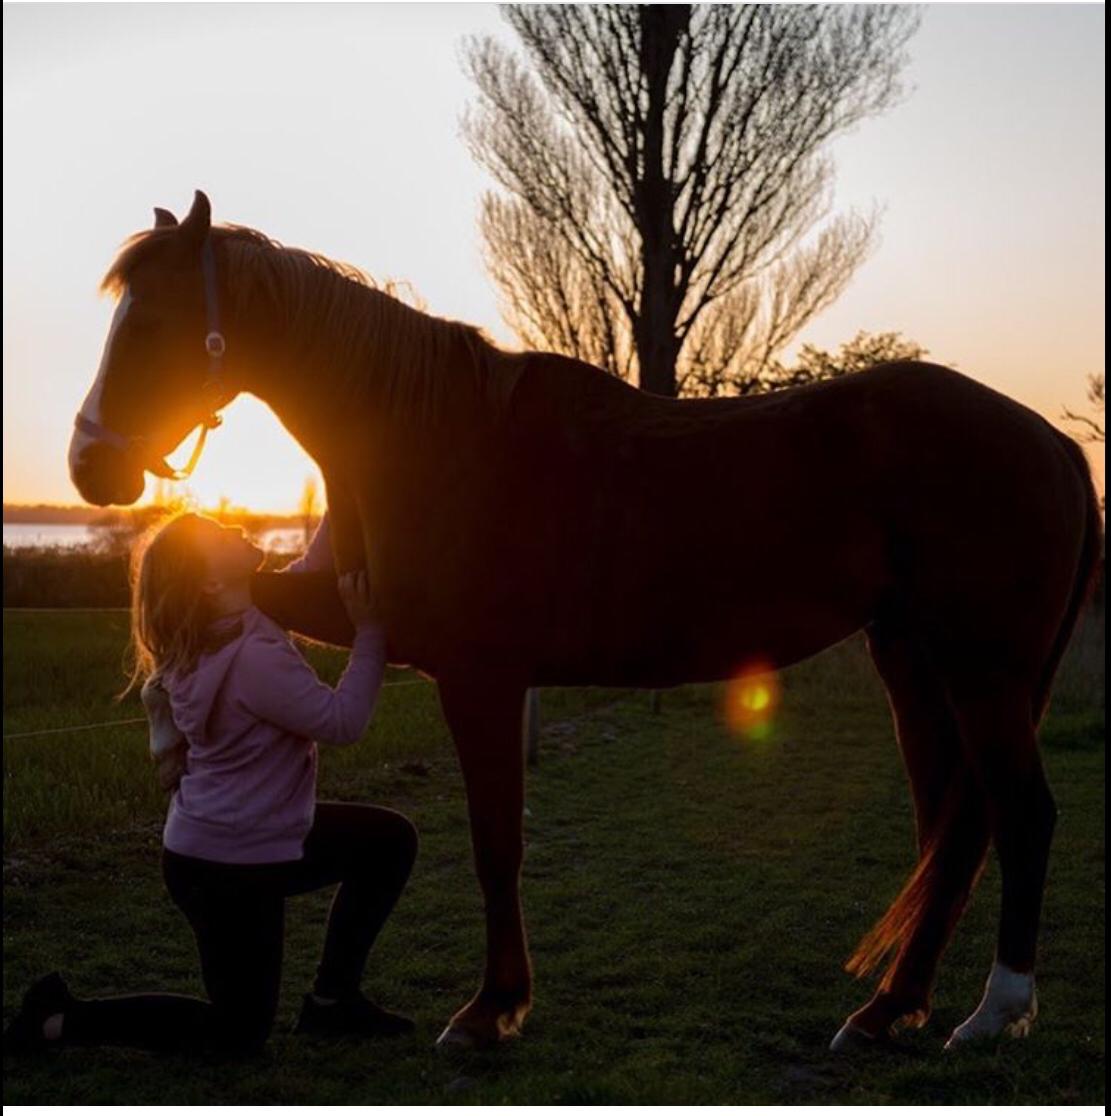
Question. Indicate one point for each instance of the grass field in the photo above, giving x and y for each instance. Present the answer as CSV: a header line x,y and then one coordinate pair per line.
x,y
690,898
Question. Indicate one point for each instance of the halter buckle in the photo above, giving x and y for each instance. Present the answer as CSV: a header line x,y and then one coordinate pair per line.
x,y
214,344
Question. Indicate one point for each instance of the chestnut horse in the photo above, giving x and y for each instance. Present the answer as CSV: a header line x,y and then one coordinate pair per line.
x,y
528,520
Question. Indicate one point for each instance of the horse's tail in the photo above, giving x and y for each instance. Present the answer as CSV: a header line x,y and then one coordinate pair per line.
x,y
953,853
951,860
1086,575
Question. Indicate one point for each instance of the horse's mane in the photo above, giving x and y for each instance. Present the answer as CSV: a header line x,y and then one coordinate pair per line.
x,y
338,320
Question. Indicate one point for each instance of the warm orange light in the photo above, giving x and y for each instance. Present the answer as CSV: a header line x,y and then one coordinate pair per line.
x,y
250,462
751,699
756,697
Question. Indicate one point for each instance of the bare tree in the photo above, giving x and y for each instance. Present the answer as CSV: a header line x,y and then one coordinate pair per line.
x,y
1093,428
663,175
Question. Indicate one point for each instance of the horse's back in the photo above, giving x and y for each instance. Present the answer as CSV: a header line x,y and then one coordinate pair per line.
x,y
671,530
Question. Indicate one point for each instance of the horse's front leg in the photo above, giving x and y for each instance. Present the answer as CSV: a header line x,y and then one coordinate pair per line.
x,y
484,714
348,542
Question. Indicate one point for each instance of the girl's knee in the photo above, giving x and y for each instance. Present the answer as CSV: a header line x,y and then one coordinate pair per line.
x,y
374,837
397,833
400,843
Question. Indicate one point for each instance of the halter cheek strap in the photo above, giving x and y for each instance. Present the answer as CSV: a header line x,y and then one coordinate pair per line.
x,y
214,342
215,346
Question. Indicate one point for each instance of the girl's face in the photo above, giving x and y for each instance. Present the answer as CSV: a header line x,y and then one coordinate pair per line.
x,y
229,556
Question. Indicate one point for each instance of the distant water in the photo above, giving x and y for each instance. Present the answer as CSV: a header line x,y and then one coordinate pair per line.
x,y
68,536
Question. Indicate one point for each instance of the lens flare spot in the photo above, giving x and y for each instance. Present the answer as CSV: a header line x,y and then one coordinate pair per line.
x,y
751,699
757,697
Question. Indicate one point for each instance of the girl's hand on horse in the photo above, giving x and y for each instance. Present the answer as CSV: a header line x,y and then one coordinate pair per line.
x,y
354,590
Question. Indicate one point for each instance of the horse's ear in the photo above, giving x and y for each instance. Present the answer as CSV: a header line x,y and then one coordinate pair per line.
x,y
163,218
199,221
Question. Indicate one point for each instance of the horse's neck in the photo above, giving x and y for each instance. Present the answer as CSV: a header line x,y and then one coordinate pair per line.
x,y
313,412
319,399
304,400
334,422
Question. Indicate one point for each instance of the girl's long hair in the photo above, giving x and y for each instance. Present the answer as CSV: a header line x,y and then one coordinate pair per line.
x,y
170,613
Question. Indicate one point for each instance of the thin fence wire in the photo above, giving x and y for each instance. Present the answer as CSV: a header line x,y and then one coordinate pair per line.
x,y
143,720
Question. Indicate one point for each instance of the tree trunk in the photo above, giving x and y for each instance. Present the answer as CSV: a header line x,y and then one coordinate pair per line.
x,y
661,27
657,348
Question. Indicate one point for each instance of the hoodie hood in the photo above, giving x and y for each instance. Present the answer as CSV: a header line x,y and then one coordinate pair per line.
x,y
193,694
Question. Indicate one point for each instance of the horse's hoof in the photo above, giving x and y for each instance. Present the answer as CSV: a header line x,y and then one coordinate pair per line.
x,y
1009,1006
850,1038
981,1026
459,1036
1020,1028
479,1026
965,1034
456,1038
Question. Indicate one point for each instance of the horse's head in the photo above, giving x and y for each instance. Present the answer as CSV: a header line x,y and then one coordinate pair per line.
x,y
160,374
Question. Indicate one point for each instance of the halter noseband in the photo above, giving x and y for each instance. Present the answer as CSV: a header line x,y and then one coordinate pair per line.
x,y
215,346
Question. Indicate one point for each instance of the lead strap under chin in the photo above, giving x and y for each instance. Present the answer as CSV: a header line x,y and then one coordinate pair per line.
x,y
160,467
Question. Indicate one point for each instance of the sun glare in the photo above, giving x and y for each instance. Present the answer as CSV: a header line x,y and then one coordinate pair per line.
x,y
249,462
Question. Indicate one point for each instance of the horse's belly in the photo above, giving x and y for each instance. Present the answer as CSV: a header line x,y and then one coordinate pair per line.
x,y
729,597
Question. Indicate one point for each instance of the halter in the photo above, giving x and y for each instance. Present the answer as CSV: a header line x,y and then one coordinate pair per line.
x,y
215,346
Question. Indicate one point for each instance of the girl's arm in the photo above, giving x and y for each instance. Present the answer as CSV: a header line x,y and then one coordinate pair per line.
x,y
279,686
318,555
309,603
338,541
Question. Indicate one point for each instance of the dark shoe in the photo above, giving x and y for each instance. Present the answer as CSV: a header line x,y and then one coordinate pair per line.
x,y
352,1015
46,997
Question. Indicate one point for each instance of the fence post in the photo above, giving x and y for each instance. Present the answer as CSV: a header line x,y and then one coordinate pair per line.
x,y
530,728
655,701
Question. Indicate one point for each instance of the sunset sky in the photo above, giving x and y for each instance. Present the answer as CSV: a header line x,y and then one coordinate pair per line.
x,y
336,128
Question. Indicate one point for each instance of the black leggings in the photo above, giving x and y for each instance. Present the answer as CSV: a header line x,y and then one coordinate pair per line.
x,y
237,912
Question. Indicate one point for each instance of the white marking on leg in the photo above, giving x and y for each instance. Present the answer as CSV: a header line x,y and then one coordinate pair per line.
x,y
1010,1003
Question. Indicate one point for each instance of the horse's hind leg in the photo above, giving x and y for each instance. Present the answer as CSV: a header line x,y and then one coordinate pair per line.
x,y
952,835
999,736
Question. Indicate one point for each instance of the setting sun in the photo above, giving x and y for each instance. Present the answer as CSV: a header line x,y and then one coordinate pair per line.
x,y
250,460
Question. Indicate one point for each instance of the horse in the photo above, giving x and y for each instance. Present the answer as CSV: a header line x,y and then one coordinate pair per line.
x,y
528,520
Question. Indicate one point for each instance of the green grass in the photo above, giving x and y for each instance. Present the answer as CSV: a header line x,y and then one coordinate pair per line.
x,y
690,898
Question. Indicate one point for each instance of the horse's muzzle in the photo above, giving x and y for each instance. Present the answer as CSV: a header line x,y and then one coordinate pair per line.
x,y
102,474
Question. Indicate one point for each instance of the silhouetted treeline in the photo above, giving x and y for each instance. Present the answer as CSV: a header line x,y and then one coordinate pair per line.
x,y
82,577
52,577
51,513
